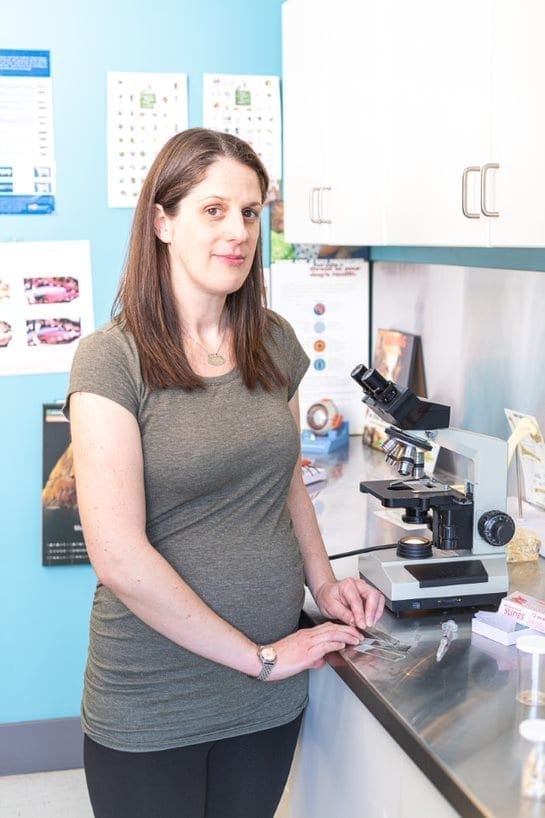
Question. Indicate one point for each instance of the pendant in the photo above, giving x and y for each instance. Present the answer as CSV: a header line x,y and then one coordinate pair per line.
x,y
215,359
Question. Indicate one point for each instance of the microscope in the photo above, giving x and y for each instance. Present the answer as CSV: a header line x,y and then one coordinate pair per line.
x,y
458,559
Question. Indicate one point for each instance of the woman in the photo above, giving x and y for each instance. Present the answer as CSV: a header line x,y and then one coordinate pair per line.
x,y
184,421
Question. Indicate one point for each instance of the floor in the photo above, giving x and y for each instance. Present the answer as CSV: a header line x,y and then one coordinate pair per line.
x,y
52,795
45,795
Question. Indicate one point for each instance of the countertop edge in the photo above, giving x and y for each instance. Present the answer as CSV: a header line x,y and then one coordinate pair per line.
x,y
459,798
438,775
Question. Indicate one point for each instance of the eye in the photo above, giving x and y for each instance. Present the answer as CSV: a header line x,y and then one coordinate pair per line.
x,y
213,211
250,213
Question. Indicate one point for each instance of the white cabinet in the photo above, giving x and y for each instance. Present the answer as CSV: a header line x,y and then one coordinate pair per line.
x,y
346,763
333,187
304,56
518,123
437,125
415,123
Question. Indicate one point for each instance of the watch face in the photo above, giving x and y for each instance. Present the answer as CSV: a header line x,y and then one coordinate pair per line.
x,y
268,654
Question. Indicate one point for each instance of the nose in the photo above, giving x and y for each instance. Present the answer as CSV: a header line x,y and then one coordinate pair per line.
x,y
236,228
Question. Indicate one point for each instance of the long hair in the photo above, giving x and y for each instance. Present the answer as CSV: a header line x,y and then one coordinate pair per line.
x,y
145,303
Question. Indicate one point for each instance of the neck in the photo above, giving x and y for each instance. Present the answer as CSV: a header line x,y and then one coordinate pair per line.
x,y
203,317
208,334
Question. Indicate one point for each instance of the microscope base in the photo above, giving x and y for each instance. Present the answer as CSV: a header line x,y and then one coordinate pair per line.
x,y
436,583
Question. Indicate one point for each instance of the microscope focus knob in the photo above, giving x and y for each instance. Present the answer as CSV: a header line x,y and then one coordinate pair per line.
x,y
496,527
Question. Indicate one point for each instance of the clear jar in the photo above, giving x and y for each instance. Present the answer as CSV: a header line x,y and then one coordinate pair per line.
x,y
532,784
531,669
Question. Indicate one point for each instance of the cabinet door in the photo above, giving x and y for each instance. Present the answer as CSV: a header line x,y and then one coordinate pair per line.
x,y
352,122
516,190
437,121
304,56
348,765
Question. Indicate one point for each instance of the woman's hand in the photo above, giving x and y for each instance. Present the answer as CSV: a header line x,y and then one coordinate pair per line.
x,y
350,600
307,648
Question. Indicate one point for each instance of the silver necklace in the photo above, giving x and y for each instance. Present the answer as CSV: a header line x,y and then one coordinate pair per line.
x,y
214,358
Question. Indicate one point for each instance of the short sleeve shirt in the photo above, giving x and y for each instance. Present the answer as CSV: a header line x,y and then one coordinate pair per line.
x,y
217,468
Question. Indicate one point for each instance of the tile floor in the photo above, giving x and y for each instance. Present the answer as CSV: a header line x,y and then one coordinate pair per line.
x,y
60,794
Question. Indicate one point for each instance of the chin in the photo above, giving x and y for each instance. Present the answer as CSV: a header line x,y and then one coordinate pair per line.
x,y
234,284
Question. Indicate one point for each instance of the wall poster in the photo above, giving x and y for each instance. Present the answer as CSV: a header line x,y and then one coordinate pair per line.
x,y
46,304
248,105
144,111
62,538
326,300
27,152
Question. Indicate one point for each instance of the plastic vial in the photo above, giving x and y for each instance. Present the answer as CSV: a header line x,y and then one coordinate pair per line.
x,y
531,669
533,766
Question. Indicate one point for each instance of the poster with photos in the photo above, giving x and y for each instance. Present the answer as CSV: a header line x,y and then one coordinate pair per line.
x,y
144,111
46,304
62,538
248,106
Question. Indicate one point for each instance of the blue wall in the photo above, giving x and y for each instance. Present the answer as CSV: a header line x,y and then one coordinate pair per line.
x,y
44,611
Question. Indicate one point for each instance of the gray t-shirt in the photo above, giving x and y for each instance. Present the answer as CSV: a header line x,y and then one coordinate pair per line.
x,y
217,466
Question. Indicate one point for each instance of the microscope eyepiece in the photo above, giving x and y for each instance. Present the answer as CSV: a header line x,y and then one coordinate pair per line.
x,y
398,404
370,380
375,386
358,372
374,381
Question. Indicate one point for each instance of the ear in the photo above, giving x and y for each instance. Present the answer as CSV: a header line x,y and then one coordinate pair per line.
x,y
161,224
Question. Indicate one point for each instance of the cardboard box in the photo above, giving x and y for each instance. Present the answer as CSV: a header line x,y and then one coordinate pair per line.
x,y
499,627
527,610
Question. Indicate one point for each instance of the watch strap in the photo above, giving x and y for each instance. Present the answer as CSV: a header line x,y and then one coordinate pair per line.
x,y
265,672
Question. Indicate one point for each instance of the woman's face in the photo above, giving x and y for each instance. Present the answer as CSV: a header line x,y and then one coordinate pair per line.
x,y
213,237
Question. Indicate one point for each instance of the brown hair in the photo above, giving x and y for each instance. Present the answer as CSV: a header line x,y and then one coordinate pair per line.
x,y
145,303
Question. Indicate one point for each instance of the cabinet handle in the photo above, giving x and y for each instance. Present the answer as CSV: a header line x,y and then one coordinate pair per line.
x,y
320,203
485,212
312,210
467,213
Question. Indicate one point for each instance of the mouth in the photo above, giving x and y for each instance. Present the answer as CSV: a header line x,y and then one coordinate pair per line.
x,y
232,260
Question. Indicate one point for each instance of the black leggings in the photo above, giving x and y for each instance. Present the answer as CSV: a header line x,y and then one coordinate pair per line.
x,y
241,777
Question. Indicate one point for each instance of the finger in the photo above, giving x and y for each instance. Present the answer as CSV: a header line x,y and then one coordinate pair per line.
x,y
330,628
321,650
333,647
374,603
380,608
334,633
350,590
337,605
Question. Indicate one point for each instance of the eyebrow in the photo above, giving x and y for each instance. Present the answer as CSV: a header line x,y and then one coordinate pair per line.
x,y
226,199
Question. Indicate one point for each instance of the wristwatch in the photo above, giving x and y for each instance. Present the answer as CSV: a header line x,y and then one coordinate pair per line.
x,y
267,655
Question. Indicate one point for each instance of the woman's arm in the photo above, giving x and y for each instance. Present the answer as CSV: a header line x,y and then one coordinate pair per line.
x,y
350,600
110,486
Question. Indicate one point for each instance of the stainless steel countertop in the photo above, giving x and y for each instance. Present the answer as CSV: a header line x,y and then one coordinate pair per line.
x,y
457,719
